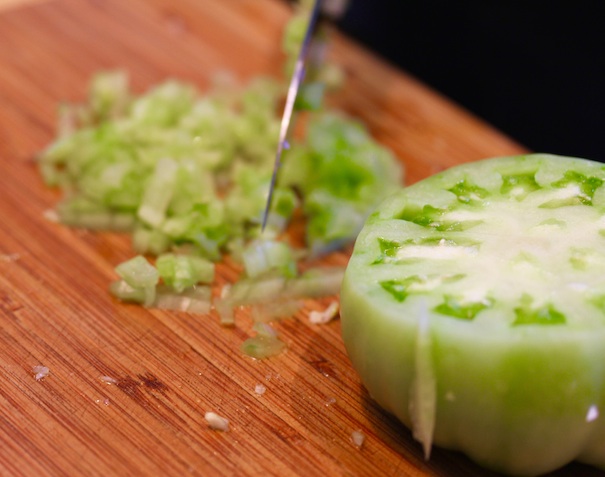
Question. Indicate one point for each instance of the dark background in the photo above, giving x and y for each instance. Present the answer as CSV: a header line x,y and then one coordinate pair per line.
x,y
533,69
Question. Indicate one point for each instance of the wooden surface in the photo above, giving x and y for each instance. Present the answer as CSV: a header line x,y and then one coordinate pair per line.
x,y
8,4
170,368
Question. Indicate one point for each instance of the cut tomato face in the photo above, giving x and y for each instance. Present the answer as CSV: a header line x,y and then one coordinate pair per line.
x,y
473,308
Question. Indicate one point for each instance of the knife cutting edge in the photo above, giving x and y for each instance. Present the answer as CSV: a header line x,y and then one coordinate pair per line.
x,y
293,89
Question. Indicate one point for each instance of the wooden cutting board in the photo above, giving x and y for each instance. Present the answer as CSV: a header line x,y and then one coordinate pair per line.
x,y
170,368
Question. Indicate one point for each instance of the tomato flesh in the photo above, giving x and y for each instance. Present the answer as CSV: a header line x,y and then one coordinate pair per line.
x,y
481,290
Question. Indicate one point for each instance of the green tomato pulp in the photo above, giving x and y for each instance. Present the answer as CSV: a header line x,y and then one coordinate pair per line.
x,y
473,308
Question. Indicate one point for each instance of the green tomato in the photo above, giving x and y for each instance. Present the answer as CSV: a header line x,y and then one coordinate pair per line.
x,y
473,308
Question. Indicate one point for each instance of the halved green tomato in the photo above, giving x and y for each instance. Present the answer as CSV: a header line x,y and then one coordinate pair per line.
x,y
473,308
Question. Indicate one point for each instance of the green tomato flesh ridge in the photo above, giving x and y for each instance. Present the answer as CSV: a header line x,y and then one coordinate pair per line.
x,y
473,308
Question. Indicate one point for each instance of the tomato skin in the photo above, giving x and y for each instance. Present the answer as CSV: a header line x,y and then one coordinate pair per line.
x,y
518,397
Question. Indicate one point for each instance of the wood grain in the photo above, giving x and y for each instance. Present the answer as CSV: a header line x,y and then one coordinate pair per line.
x,y
7,4
169,368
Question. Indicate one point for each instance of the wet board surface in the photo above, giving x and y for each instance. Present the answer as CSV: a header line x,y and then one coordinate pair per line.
x,y
169,368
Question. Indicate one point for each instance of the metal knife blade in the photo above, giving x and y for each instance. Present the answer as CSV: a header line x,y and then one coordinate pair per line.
x,y
295,83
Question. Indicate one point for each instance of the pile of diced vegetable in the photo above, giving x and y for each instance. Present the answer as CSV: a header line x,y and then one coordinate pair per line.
x,y
187,174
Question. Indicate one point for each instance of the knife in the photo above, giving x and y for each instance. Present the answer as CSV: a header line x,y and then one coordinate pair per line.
x,y
293,89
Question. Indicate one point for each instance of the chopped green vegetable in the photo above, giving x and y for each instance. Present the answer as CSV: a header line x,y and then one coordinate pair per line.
x,y
265,256
140,277
184,271
179,168
188,175
342,175
158,193
314,283
138,272
265,344
196,299
472,308
180,290
275,310
123,291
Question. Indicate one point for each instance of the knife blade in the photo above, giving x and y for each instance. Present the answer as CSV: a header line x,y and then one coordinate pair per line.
x,y
293,89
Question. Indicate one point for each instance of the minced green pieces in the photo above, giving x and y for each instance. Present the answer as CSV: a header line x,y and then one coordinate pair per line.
x,y
139,280
158,193
184,271
264,344
178,168
341,174
108,95
310,96
204,226
124,292
146,240
170,284
195,299
155,157
138,272
188,176
83,213
263,256
284,202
